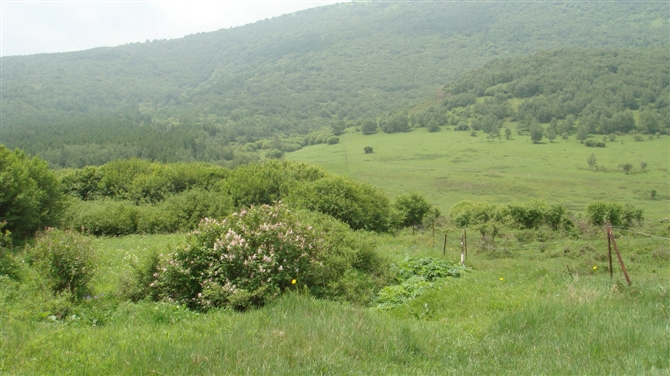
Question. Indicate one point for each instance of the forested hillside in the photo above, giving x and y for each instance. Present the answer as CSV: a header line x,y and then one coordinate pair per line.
x,y
208,96
583,91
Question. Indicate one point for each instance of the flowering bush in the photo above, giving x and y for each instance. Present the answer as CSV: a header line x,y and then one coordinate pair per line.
x,y
244,260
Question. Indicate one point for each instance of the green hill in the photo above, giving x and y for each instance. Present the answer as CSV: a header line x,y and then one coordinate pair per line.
x,y
206,96
582,91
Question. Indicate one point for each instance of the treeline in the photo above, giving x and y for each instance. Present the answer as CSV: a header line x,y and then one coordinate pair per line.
x,y
208,95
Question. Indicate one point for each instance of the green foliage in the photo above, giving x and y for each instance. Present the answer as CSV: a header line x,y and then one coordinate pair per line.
x,y
600,88
487,218
415,275
31,196
536,134
182,211
367,149
626,167
267,182
66,260
253,256
594,144
591,161
103,217
359,205
8,265
368,126
467,213
412,207
600,213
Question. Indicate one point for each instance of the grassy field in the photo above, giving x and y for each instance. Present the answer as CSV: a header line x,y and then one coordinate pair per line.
x,y
517,312
449,166
534,301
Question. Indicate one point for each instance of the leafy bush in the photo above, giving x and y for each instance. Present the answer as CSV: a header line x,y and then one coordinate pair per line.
x,y
414,277
103,217
256,254
30,194
8,265
183,211
412,208
594,144
600,213
359,205
528,215
140,181
467,213
265,183
65,259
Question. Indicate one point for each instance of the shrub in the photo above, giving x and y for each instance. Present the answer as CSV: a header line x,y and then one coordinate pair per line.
x,y
467,213
359,205
267,182
529,215
412,207
630,214
8,265
274,154
30,194
185,210
600,213
367,149
333,140
103,217
65,259
255,255
462,126
594,144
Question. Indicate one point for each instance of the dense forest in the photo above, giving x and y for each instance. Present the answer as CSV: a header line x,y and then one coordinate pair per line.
x,y
221,96
583,91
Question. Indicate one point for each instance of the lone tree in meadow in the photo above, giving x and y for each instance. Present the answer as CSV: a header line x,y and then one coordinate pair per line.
x,y
508,133
368,126
626,167
591,161
582,134
368,149
536,134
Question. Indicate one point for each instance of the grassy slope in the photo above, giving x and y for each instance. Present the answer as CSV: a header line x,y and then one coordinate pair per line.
x,y
448,167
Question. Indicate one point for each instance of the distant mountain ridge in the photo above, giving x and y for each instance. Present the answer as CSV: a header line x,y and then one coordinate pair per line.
x,y
289,75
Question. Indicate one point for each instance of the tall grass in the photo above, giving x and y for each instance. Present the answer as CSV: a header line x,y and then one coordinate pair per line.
x,y
537,320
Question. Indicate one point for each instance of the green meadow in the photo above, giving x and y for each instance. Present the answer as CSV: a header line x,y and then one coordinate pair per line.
x,y
516,312
531,302
450,166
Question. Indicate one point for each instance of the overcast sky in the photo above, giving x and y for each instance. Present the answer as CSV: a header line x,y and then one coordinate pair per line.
x,y
30,27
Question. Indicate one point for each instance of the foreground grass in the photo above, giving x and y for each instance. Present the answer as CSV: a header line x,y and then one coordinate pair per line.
x,y
537,319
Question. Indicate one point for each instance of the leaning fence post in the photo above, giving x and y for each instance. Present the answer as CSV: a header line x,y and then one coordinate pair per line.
x,y
618,254
444,249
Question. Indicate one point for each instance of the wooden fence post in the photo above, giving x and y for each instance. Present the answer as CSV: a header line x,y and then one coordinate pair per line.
x,y
444,249
618,254
609,249
465,242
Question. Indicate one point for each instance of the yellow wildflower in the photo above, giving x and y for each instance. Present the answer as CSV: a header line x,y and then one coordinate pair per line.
x,y
293,282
